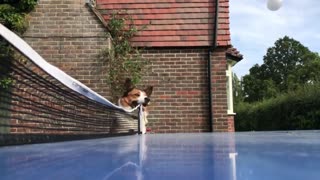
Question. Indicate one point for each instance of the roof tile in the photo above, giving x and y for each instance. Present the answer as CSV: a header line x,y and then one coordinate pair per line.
x,y
234,54
173,22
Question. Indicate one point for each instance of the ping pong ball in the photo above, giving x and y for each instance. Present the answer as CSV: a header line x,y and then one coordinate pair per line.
x,y
274,5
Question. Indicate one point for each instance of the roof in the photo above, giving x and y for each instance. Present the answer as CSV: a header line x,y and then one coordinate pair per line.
x,y
223,37
233,54
179,23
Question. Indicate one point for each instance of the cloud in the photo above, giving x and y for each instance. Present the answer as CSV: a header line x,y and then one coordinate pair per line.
x,y
254,28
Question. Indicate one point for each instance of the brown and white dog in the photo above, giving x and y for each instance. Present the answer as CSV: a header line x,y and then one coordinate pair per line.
x,y
134,96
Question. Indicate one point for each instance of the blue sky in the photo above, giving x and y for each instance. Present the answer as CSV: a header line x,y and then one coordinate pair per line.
x,y
254,28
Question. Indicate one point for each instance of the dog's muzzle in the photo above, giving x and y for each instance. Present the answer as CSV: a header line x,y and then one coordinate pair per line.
x,y
146,101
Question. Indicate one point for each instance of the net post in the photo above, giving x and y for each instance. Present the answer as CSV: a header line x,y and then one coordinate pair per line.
x,y
141,122
139,119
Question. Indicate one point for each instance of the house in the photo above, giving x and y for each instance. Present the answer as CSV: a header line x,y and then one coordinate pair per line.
x,y
187,42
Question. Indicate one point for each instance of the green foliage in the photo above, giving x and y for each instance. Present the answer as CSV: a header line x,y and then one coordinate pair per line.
x,y
257,87
123,60
26,5
237,89
287,66
308,73
282,93
13,15
4,49
295,110
5,83
5,87
283,59
11,18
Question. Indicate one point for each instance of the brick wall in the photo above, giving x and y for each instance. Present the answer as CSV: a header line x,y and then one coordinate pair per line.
x,y
219,91
180,99
180,95
231,123
68,35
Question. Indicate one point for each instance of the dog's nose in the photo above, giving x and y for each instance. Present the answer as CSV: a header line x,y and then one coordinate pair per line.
x,y
146,100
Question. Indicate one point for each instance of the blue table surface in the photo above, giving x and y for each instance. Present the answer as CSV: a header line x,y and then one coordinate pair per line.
x,y
222,156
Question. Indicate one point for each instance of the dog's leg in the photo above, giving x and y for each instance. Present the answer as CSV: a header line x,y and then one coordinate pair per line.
x,y
145,119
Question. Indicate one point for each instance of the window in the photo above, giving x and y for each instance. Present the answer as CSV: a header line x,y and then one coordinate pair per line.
x,y
229,87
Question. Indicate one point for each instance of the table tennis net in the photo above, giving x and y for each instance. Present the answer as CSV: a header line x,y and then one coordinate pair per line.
x,y
35,107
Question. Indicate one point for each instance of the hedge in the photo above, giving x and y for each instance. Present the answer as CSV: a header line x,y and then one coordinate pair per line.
x,y
298,110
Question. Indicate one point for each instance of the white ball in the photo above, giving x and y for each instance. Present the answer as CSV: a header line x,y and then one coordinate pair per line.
x,y
274,5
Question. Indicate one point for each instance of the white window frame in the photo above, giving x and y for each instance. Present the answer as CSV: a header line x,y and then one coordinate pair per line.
x,y
230,63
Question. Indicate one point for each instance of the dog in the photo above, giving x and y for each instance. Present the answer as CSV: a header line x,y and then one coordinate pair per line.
x,y
133,97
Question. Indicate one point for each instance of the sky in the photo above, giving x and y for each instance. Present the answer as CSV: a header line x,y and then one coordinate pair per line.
x,y
254,28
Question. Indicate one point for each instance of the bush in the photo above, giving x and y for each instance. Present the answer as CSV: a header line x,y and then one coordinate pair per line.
x,y
298,110
123,60
13,15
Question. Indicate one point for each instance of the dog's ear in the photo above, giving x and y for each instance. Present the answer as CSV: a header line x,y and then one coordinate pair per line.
x,y
128,85
148,90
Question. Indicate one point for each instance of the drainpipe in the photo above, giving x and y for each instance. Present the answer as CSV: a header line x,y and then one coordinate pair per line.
x,y
210,50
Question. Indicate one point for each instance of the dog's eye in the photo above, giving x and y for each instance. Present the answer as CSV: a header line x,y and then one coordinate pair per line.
x,y
137,94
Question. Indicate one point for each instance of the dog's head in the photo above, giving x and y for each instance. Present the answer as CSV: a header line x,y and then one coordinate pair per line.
x,y
136,96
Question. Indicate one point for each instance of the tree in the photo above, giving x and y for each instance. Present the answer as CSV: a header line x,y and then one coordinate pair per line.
x,y
284,60
309,73
257,85
237,89
287,66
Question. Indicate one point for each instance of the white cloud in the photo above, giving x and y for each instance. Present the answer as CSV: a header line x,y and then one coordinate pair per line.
x,y
254,28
